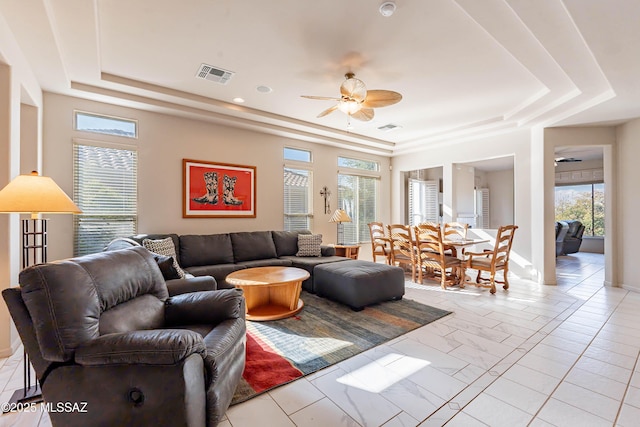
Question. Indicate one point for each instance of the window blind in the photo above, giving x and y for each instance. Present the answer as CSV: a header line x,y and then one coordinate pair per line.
x,y
423,201
297,199
106,190
358,196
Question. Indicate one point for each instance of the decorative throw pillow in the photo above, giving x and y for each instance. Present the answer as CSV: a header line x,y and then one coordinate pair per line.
x,y
309,244
167,269
164,247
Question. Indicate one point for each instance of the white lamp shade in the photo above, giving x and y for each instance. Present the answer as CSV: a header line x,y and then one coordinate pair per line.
x,y
340,216
35,194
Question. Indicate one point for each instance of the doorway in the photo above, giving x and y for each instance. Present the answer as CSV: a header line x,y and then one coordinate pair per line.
x,y
580,207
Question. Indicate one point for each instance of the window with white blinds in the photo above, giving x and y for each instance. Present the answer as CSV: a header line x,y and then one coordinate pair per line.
x,y
106,190
297,199
423,201
358,196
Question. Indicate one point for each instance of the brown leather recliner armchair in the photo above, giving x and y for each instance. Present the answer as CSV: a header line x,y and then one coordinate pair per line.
x,y
102,329
573,239
561,232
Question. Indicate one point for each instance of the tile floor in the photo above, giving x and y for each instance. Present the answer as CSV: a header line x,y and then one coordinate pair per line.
x,y
563,355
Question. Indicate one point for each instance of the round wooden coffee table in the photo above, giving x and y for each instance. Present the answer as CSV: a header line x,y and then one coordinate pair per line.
x,y
271,293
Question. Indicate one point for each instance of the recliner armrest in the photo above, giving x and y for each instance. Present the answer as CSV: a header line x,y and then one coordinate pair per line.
x,y
191,284
208,307
149,347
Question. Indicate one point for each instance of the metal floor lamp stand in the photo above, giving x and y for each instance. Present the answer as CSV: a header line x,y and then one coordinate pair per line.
x,y
34,251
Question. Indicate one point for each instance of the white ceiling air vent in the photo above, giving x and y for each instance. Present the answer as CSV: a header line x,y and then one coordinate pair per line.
x,y
218,75
389,127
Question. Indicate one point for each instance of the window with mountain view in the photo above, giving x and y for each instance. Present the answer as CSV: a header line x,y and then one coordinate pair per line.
x,y
582,202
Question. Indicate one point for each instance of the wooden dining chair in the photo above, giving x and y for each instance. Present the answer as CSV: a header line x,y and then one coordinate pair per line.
x,y
425,227
432,257
380,242
494,260
454,231
403,248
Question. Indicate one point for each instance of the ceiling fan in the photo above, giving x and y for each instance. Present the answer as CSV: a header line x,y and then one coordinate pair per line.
x,y
356,101
565,160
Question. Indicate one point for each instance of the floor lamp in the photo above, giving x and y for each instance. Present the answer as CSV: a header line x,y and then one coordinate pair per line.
x,y
33,194
340,216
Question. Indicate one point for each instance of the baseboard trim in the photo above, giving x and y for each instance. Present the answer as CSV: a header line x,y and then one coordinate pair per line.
x,y
630,288
8,351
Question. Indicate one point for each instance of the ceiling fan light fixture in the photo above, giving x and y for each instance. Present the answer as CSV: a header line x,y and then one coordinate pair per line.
x,y
387,9
349,107
356,101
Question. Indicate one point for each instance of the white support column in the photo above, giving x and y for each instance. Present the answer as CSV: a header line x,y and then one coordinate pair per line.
x,y
542,208
611,210
9,224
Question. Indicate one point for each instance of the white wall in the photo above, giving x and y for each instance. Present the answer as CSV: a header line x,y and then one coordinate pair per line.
x,y
500,185
628,177
162,144
592,244
463,194
517,144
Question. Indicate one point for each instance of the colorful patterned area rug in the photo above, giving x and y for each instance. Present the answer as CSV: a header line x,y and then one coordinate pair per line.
x,y
323,333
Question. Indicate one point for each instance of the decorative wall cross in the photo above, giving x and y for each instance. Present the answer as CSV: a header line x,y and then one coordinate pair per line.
x,y
326,193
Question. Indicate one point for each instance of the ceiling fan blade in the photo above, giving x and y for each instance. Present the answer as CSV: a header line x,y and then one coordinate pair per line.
x,y
364,114
324,98
328,111
354,89
381,98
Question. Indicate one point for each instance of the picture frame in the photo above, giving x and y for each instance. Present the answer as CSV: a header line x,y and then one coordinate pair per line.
x,y
218,190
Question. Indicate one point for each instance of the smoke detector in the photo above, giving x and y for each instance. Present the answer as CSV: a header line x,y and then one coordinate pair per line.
x,y
387,8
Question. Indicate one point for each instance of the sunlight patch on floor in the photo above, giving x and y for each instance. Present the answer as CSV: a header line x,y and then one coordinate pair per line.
x,y
376,377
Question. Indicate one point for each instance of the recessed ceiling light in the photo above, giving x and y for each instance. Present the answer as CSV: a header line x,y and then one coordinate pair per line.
x,y
387,8
264,89
238,100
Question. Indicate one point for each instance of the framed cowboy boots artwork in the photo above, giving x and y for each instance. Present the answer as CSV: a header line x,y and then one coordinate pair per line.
x,y
220,190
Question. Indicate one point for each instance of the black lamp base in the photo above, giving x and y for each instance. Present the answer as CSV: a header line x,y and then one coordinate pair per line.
x,y
34,251
31,394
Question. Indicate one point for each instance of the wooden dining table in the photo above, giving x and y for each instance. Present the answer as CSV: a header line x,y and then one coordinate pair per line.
x,y
462,243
